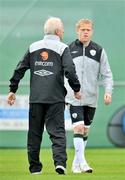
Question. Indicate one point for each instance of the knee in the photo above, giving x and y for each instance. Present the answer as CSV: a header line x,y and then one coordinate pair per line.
x,y
86,131
79,129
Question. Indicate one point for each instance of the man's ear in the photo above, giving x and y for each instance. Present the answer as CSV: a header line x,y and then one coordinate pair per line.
x,y
57,32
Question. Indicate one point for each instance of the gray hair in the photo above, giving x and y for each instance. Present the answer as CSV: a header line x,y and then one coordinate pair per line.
x,y
52,24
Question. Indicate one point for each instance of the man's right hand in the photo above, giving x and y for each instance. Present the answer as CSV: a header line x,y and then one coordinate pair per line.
x,y
77,95
11,98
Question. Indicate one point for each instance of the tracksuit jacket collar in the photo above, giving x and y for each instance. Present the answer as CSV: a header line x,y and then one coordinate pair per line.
x,y
52,37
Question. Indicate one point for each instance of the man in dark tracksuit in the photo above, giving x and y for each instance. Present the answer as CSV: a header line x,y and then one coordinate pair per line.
x,y
48,61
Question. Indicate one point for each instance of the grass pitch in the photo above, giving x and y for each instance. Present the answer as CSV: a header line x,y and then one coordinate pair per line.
x,y
108,164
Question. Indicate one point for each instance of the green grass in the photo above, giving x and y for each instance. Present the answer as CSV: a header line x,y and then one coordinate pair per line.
x,y
108,164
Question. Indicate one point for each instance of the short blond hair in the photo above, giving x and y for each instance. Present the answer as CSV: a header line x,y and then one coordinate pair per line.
x,y
52,24
83,21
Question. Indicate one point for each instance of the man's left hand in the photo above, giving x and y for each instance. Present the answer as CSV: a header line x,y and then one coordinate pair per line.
x,y
107,98
77,95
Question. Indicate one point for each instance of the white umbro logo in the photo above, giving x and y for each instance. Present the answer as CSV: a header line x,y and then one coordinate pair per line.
x,y
43,72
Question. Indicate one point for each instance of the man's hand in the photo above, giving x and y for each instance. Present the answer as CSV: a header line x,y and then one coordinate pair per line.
x,y
11,98
77,95
107,98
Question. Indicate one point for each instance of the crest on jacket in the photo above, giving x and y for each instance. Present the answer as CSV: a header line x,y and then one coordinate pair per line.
x,y
93,52
44,55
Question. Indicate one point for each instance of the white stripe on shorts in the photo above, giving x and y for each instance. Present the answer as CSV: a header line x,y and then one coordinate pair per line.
x,y
77,123
80,123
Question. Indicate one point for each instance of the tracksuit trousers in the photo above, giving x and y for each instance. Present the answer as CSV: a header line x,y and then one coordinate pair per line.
x,y
52,117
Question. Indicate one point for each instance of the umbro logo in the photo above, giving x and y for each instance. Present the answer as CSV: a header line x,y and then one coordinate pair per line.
x,y
43,72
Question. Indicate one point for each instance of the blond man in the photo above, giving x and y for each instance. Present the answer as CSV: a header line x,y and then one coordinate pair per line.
x,y
91,63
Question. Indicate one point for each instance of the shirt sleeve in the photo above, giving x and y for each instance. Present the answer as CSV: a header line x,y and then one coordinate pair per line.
x,y
106,73
19,72
69,70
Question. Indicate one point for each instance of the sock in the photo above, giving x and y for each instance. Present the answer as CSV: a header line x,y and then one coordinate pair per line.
x,y
79,149
85,138
75,160
85,142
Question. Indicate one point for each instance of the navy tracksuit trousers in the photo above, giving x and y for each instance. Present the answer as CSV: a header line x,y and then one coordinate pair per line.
x,y
52,117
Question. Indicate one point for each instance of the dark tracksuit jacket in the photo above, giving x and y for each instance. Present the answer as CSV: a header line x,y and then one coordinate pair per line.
x,y
48,61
